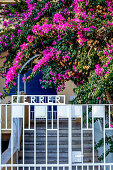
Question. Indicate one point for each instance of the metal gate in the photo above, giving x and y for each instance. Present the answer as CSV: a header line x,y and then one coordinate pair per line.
x,y
56,136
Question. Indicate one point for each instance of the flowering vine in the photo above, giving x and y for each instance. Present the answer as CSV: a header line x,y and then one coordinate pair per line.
x,y
73,38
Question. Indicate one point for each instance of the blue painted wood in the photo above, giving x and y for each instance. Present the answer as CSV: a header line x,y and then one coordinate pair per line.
x,y
34,87
13,90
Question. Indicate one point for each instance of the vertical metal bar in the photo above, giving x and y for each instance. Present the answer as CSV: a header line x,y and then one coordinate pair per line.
x,y
57,138
110,167
65,99
18,134
34,140
12,142
23,133
52,115
6,117
29,117
98,167
18,85
41,168
104,137
12,98
46,136
82,135
93,135
25,84
87,116
0,133
109,116
69,138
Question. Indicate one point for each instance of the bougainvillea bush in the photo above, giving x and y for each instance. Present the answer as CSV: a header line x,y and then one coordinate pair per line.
x,y
74,39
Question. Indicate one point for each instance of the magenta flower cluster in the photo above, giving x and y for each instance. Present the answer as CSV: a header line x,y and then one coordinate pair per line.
x,y
81,24
100,70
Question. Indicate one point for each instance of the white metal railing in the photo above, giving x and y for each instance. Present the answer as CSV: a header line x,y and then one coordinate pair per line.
x,y
86,118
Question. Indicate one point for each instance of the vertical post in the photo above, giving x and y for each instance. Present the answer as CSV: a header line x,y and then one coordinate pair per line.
x,y
87,116
104,140
69,137
25,84
109,116
57,138
30,117
6,117
12,130
18,134
18,91
0,133
23,134
46,134
35,140
52,115
82,135
93,138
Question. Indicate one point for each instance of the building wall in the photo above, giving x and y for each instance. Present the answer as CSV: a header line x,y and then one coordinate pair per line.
x,y
68,90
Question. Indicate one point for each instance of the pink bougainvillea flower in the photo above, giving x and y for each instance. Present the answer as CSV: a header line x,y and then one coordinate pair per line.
x,y
5,24
98,98
14,83
23,79
30,38
24,46
54,43
111,125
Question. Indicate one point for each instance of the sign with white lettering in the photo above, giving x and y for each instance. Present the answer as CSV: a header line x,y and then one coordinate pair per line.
x,y
38,99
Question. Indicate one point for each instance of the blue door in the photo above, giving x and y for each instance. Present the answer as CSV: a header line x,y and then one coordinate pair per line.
x,y
33,87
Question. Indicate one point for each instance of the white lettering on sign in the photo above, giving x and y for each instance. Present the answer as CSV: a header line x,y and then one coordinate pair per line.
x,y
60,99
57,99
50,100
42,99
33,99
25,98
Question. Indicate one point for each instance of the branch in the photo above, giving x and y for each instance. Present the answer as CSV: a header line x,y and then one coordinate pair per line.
x,y
90,50
109,98
108,31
